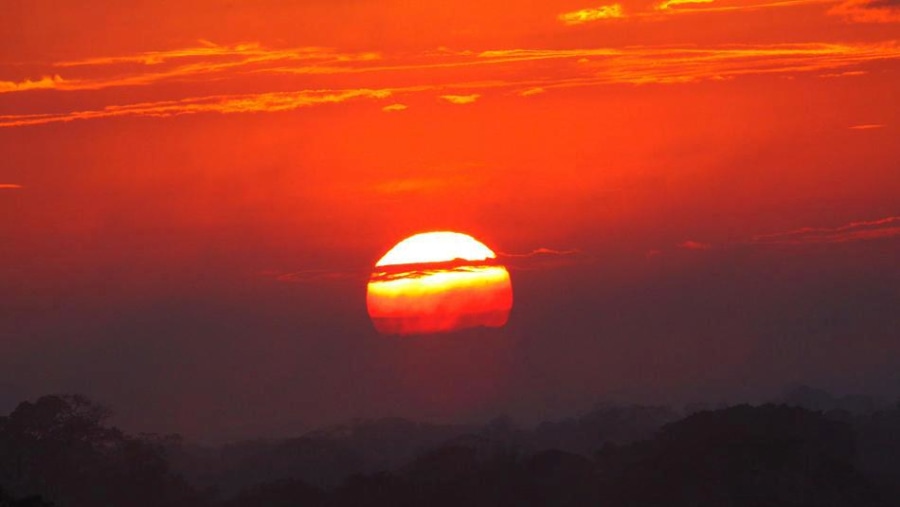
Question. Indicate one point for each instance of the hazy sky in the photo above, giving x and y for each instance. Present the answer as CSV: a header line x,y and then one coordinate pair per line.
x,y
696,200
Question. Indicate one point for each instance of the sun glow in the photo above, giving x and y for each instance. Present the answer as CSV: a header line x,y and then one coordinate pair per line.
x,y
438,282
436,247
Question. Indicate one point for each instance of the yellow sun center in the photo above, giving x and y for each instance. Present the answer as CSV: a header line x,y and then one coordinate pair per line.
x,y
436,247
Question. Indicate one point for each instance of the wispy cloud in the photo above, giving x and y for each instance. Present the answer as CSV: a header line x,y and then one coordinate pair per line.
x,y
847,73
510,69
677,7
99,73
868,11
677,65
394,108
666,8
867,126
528,92
668,4
247,51
10,186
863,230
540,252
581,16
224,104
887,227
541,258
461,99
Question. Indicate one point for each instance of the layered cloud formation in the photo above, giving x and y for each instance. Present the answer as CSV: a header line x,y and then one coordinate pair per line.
x,y
254,78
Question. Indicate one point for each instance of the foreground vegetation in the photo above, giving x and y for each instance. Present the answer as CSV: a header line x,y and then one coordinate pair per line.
x,y
60,450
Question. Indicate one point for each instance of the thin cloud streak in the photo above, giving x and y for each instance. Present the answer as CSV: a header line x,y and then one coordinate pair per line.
x,y
540,251
848,73
229,104
573,68
461,99
864,230
651,64
888,227
667,8
394,108
10,186
542,258
210,60
254,58
704,6
530,92
668,4
209,50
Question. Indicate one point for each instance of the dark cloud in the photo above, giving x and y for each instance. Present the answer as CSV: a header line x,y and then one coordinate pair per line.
x,y
865,230
887,227
542,258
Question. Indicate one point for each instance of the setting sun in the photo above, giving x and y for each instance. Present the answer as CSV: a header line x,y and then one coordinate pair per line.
x,y
436,247
438,282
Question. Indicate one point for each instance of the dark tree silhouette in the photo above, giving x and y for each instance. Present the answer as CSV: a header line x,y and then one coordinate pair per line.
x,y
58,447
31,501
286,493
741,456
59,451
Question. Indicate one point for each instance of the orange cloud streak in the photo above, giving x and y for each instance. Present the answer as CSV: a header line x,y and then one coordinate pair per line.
x,y
211,59
674,7
568,68
394,108
675,3
528,92
44,83
461,99
612,11
668,64
263,102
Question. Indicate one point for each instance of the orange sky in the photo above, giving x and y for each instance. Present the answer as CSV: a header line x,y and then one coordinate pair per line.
x,y
213,151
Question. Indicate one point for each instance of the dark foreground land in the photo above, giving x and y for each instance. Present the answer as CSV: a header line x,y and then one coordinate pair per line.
x,y
810,449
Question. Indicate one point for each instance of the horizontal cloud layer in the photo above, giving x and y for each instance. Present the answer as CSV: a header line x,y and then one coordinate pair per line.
x,y
293,75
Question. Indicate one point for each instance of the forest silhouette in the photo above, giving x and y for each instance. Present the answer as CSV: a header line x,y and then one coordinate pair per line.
x,y
808,449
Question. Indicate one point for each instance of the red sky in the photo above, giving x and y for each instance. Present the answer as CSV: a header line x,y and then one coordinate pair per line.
x,y
688,195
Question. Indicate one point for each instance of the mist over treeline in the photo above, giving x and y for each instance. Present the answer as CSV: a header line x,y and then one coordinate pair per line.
x,y
807,448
